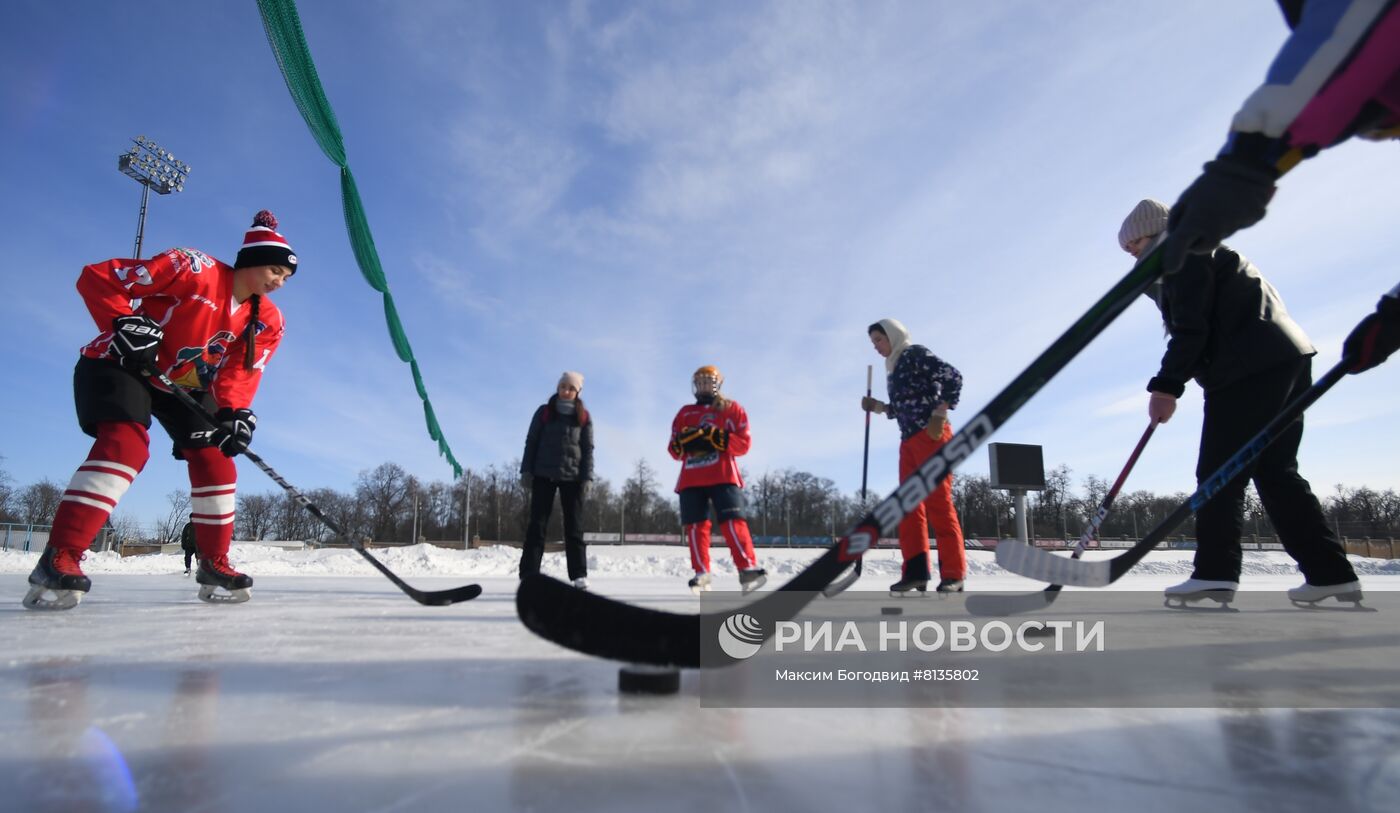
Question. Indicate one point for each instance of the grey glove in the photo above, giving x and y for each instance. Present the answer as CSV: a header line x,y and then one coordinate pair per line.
x,y
1229,196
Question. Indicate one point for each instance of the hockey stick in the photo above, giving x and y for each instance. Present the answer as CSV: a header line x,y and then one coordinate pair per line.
x,y
593,624
1001,604
432,598
838,587
1018,557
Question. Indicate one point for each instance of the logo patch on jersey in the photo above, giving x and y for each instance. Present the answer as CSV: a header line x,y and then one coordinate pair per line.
x,y
195,366
198,261
701,460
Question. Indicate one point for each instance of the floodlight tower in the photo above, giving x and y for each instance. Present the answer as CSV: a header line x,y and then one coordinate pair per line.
x,y
153,168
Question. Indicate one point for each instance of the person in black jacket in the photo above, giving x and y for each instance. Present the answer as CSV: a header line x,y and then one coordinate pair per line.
x,y
187,543
1228,329
558,457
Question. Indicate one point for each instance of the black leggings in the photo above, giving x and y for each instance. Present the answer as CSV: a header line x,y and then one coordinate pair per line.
x,y
541,503
1233,415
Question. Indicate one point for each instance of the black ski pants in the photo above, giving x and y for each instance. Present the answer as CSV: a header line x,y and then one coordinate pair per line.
x,y
542,494
1233,415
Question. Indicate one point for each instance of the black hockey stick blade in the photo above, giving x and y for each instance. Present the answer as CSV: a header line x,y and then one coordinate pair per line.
x,y
1018,557
593,624
1003,604
599,626
839,586
431,598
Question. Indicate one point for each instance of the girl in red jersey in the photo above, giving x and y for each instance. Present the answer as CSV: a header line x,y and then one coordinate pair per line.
x,y
706,437
208,327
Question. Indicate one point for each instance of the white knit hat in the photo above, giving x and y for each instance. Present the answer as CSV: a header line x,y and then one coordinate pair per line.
x,y
1147,219
576,379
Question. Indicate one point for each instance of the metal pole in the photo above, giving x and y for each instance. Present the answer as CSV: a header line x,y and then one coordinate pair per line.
x,y
141,220
865,458
1021,531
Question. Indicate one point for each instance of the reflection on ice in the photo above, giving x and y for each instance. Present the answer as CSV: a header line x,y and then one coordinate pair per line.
x,y
337,693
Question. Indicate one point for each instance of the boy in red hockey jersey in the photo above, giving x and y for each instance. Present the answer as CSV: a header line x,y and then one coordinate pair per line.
x,y
207,326
707,436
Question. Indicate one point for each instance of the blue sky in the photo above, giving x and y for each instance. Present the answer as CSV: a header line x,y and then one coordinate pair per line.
x,y
635,189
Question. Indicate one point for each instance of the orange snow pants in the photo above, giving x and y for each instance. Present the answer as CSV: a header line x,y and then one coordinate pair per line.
x,y
937,509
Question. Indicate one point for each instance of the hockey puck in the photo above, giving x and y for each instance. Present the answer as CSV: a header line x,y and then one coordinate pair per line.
x,y
891,611
639,678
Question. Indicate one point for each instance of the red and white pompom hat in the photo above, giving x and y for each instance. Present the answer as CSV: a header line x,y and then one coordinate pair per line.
x,y
262,245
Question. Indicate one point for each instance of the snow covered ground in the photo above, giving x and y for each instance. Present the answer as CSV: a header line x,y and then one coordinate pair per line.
x,y
333,691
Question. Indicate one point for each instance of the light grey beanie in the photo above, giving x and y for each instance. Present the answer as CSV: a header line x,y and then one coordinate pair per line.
x,y
1147,219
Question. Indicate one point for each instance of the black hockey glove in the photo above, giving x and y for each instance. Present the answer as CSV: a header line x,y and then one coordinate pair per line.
x,y
1229,196
719,438
235,430
1376,338
135,342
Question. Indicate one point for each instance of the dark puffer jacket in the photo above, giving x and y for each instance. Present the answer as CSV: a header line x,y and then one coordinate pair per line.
x,y
1225,321
559,447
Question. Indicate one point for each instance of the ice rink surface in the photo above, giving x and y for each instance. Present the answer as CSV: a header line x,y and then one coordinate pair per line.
x,y
333,691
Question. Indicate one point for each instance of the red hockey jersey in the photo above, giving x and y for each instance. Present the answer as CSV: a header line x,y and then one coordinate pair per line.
x,y
712,468
190,295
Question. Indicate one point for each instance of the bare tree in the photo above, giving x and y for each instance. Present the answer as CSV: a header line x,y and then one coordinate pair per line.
x,y
125,530
984,511
385,493
169,526
255,515
38,502
1052,503
9,511
645,509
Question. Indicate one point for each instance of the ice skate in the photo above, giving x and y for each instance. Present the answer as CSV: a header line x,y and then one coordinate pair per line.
x,y
581,583
699,583
752,579
950,586
1183,596
57,582
221,584
904,587
1308,595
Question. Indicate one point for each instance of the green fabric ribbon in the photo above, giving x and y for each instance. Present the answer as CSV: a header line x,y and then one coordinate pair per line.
x,y
284,34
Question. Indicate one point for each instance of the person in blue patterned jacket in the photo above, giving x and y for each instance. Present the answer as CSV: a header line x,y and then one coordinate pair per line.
x,y
922,388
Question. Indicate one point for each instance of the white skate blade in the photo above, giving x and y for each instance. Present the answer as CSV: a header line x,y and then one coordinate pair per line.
x,y
1353,597
213,595
698,589
35,599
1193,601
754,585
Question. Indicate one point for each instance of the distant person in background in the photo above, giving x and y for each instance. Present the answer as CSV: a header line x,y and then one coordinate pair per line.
x,y
187,543
922,388
1228,329
558,459
707,437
